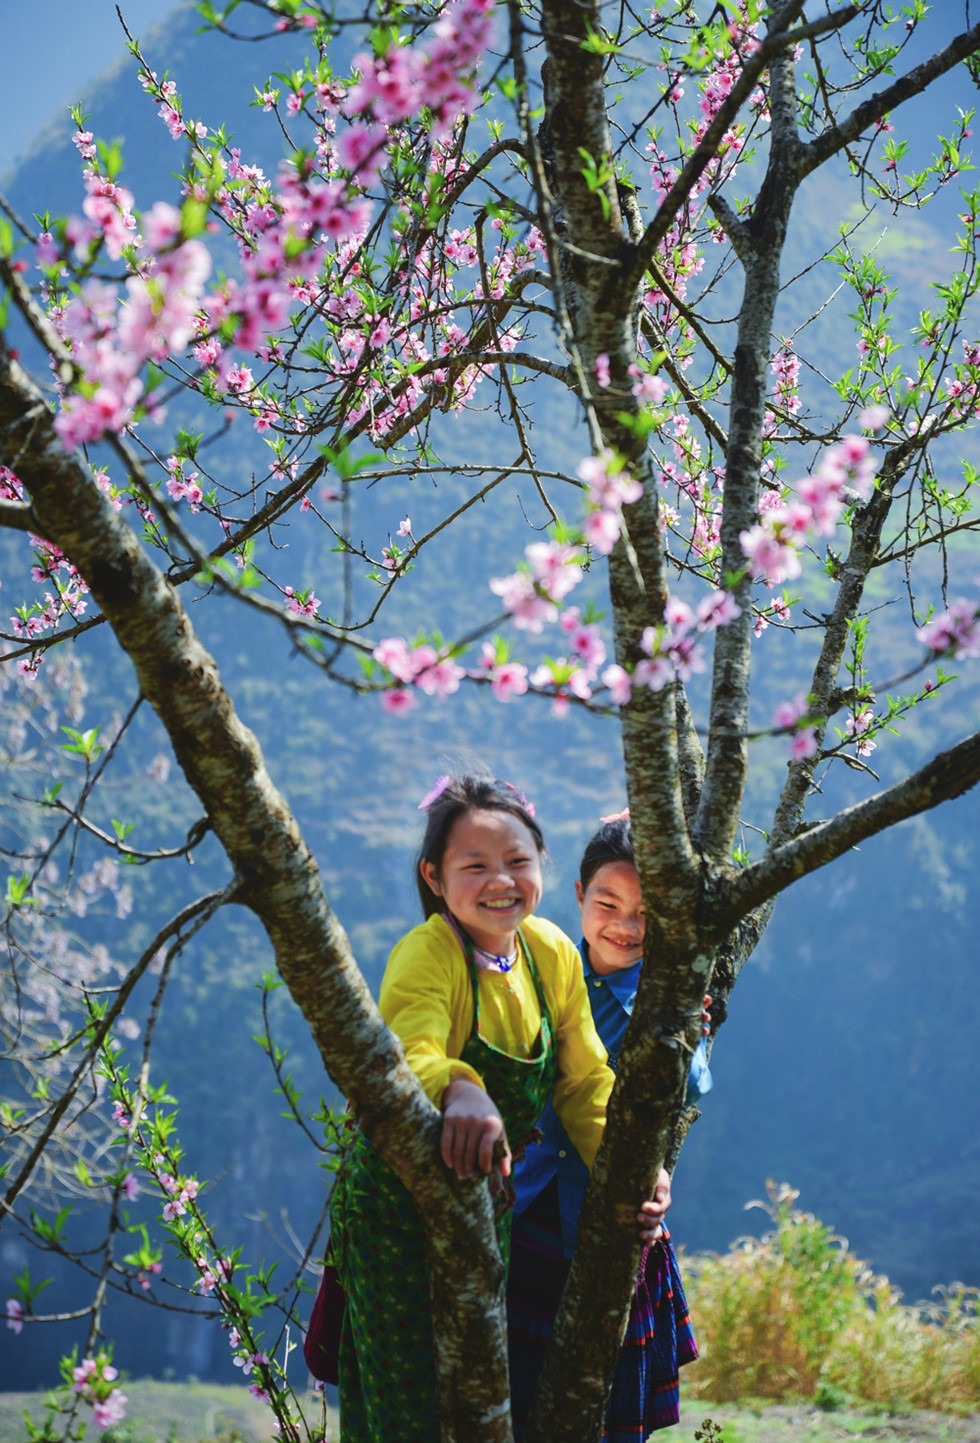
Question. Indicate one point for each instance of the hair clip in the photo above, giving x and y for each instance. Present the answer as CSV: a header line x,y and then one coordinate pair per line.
x,y
441,783
622,816
528,806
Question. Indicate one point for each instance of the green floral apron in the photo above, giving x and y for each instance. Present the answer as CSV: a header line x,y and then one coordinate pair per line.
x,y
387,1368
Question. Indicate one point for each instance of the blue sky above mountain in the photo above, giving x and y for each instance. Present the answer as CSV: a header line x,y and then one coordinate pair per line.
x,y
65,55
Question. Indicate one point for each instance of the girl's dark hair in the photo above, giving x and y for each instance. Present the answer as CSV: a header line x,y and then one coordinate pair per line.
x,y
613,842
468,793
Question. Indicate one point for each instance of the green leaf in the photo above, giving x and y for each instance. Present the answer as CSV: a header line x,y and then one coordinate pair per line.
x,y
17,891
84,744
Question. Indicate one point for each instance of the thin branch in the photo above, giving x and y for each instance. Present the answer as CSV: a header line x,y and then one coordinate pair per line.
x,y
880,104
943,778
702,155
197,912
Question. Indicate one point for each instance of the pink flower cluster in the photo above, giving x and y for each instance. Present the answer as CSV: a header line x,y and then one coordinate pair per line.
x,y
785,366
430,670
164,93
181,487
792,717
67,599
181,1191
283,239
507,678
15,1315
786,523
609,488
858,726
674,648
552,569
211,1274
95,1380
302,603
396,85
110,343
248,1361
109,208
145,1275
956,630
680,256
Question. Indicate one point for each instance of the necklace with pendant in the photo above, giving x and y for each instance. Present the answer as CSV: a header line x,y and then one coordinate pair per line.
x,y
496,960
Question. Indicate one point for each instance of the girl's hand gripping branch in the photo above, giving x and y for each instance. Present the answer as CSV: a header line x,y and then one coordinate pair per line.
x,y
471,1128
653,1213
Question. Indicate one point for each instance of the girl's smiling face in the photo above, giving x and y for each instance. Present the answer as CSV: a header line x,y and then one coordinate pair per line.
x,y
613,923
489,877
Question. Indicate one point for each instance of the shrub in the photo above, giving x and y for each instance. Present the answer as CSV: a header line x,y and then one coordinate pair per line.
x,y
795,1315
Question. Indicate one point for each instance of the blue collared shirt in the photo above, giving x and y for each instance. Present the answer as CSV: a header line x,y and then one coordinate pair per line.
x,y
612,998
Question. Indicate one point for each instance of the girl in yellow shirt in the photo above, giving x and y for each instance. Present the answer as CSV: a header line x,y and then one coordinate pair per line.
x,y
490,1005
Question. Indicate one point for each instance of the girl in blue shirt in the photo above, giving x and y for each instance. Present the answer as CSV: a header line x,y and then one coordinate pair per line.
x,y
551,1180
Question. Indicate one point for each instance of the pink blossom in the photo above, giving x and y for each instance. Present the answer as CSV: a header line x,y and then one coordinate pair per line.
x,y
619,683
803,744
83,1374
602,530
873,417
397,701
609,486
788,713
857,726
648,389
361,149
717,610
405,529
248,1361
46,252
110,207
521,598
587,644
131,1187
769,557
957,630
678,615
107,1412
822,492
300,607
393,654
602,370
508,680
555,566
655,673
15,1315
440,677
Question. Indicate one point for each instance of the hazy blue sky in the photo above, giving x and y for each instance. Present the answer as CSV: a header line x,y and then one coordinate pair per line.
x,y
51,53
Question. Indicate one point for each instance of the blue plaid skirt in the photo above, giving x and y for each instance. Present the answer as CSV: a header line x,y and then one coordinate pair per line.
x,y
659,1338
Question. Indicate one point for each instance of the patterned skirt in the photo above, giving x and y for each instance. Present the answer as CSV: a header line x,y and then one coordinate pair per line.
x,y
659,1338
387,1364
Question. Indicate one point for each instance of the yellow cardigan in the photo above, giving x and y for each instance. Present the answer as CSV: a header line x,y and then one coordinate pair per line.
x,y
427,999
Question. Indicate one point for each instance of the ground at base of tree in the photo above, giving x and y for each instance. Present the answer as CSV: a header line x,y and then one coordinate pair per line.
x,y
805,1423
199,1412
174,1413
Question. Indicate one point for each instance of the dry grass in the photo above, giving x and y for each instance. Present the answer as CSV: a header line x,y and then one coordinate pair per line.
x,y
795,1315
